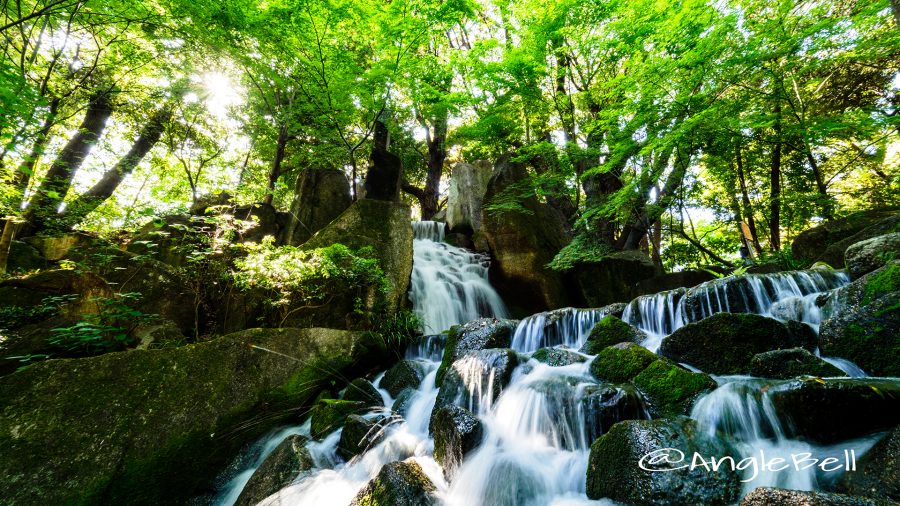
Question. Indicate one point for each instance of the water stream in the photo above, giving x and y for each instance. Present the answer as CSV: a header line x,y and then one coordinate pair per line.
x,y
538,431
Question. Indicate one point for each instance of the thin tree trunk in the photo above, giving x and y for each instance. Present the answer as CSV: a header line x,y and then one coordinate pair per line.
x,y
275,170
775,186
41,139
437,154
895,6
103,189
745,197
58,180
827,208
6,237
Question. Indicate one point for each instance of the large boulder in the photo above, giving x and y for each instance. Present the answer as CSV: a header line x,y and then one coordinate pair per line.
x,y
558,357
58,246
668,388
398,484
609,331
320,196
383,226
832,410
767,496
611,278
156,426
605,405
468,185
476,380
725,343
361,390
24,258
864,322
404,374
791,363
288,460
457,431
474,336
866,256
522,241
328,415
828,241
360,434
619,470
878,471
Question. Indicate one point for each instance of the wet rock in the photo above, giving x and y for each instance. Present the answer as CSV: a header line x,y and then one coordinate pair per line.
x,y
403,400
621,362
405,374
57,247
766,496
864,322
725,343
153,427
612,278
457,431
23,258
668,388
473,336
522,243
828,242
328,415
288,460
485,373
670,281
606,405
614,471
468,185
830,410
866,256
363,391
386,228
610,331
360,434
791,363
320,196
558,357
160,333
877,472
398,484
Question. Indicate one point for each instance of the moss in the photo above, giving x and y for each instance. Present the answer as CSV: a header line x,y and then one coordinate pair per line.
x,y
556,357
671,389
621,362
397,483
883,283
610,331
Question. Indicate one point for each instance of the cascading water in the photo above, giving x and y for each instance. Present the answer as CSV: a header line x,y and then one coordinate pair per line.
x,y
537,431
784,295
449,285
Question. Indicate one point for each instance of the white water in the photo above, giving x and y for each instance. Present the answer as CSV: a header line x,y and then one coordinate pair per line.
x,y
536,439
784,296
449,285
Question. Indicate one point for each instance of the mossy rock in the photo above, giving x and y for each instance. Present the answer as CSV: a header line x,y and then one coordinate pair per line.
x,y
23,258
609,331
558,357
768,496
828,241
457,431
156,426
478,376
328,415
725,343
360,434
474,336
791,363
362,390
878,471
614,472
405,374
398,484
288,460
403,400
867,256
671,389
868,335
831,410
620,363
605,405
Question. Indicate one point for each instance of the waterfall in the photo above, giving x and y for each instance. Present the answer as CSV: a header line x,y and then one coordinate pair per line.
x,y
783,295
566,327
449,285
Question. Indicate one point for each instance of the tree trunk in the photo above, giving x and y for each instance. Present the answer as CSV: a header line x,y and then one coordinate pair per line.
x,y
437,154
103,189
775,186
41,139
6,237
275,170
651,213
58,180
827,207
745,198
895,6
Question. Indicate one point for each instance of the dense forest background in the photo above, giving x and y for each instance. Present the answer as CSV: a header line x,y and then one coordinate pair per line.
x,y
686,129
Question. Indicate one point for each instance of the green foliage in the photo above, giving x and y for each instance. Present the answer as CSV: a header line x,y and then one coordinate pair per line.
x,y
110,329
15,316
395,331
583,248
783,258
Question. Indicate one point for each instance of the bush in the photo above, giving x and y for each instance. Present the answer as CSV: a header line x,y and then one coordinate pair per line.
x,y
108,330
